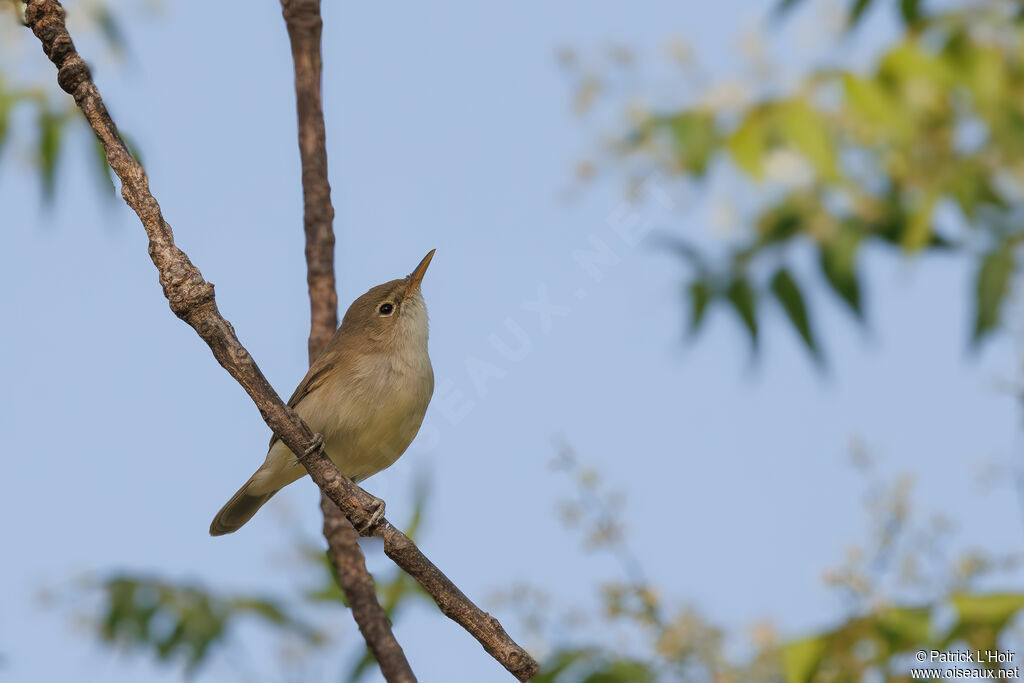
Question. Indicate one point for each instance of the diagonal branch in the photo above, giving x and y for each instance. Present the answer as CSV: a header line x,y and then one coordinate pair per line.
x,y
191,298
302,18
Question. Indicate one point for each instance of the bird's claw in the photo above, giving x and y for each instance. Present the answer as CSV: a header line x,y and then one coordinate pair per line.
x,y
376,507
316,445
376,515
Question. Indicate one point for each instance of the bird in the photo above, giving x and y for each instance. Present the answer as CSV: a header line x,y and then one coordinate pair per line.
x,y
366,394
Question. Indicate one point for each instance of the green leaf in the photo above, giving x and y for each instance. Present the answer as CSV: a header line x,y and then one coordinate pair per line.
x,y
329,590
972,191
838,260
130,143
981,619
700,293
784,6
593,665
105,173
910,62
182,622
622,671
362,667
395,593
995,609
110,28
857,10
749,142
264,608
51,129
689,253
741,295
918,232
421,495
910,10
6,104
560,661
787,292
694,137
872,102
990,288
806,131
905,628
986,73
801,658
780,224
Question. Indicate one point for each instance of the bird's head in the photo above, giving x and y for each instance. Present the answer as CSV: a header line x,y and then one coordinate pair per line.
x,y
391,314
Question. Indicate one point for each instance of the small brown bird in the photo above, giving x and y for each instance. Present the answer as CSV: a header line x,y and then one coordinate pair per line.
x,y
366,394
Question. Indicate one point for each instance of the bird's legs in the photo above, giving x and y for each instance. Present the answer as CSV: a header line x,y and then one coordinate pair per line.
x,y
317,444
376,514
376,508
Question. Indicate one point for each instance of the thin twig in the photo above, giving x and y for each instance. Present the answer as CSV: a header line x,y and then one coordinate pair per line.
x,y
192,299
302,19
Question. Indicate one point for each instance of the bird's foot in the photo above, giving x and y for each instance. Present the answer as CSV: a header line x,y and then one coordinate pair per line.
x,y
316,445
376,514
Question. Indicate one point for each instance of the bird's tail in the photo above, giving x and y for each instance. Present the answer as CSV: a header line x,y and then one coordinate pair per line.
x,y
239,510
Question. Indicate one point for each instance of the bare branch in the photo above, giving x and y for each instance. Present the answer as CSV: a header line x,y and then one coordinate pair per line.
x,y
302,19
191,298
357,583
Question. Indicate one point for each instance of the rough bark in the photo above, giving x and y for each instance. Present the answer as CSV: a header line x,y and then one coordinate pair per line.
x,y
302,19
191,298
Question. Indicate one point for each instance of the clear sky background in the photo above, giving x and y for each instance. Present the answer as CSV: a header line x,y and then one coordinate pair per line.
x,y
448,126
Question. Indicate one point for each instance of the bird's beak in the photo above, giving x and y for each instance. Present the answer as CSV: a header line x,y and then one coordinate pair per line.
x,y
416,277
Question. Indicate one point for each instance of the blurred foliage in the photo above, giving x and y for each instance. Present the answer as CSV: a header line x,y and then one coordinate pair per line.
x,y
48,112
922,153
904,591
594,665
911,12
183,623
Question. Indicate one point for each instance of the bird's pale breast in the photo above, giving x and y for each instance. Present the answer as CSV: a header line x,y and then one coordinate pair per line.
x,y
367,418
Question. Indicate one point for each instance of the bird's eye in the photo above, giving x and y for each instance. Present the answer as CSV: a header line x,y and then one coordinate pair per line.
x,y
386,309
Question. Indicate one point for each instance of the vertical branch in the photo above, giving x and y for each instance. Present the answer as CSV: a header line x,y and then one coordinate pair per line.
x,y
302,18
361,593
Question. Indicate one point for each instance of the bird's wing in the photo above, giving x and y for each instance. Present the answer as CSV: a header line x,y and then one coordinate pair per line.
x,y
314,378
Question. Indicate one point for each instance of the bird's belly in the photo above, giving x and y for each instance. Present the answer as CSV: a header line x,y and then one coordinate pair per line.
x,y
366,441
366,424
376,445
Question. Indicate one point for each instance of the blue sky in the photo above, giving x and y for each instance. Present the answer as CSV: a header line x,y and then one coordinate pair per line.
x,y
448,127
